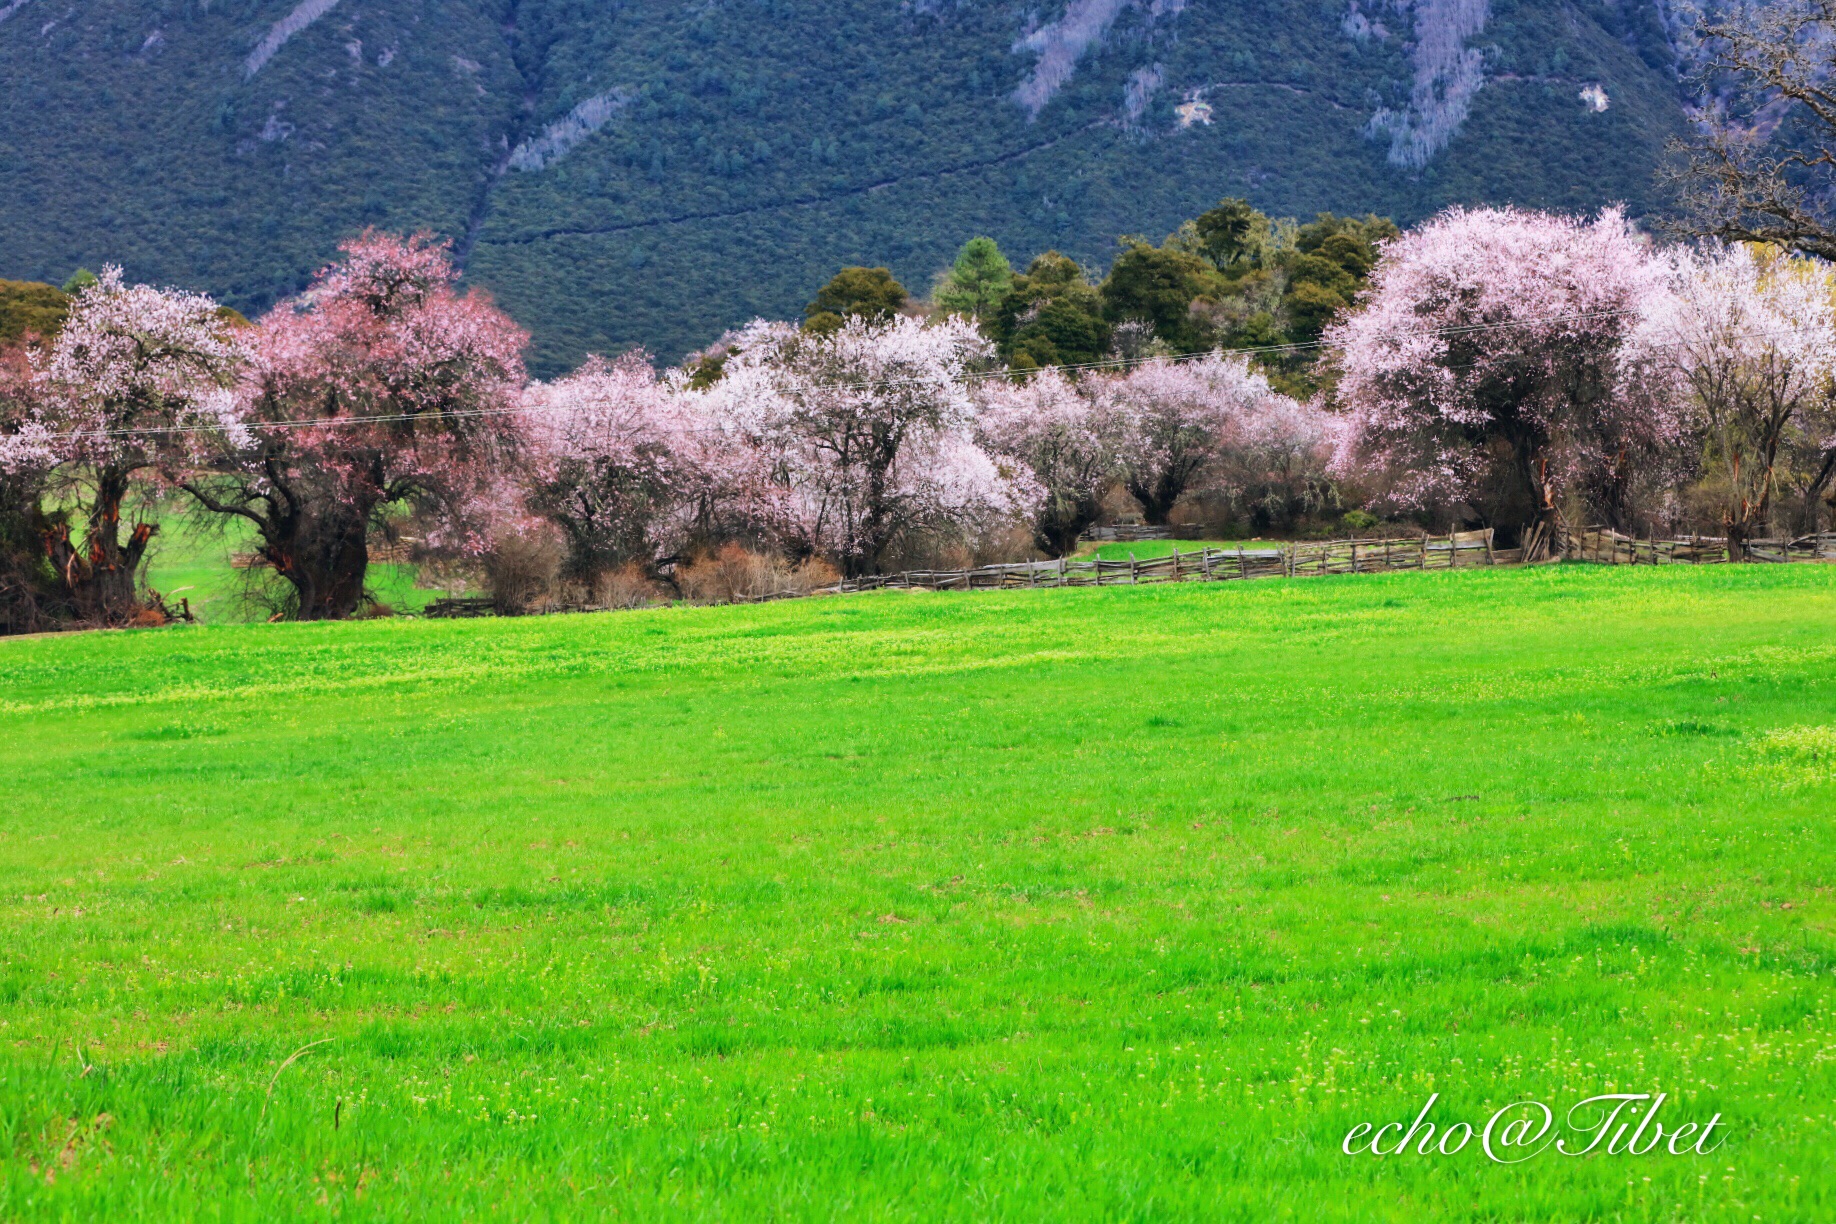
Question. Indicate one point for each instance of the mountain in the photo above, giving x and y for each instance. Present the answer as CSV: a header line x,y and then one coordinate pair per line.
x,y
643,172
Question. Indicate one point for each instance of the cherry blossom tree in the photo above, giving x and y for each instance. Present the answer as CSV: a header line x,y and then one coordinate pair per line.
x,y
868,432
130,373
382,386
636,469
1494,372
1179,422
1751,334
29,597
1273,467
1064,438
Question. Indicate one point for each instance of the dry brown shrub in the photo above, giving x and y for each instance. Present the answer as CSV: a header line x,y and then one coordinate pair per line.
x,y
735,575
627,587
523,570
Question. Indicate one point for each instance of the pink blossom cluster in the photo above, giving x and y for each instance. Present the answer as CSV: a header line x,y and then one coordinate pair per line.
x,y
1498,336
867,432
1746,331
1166,429
383,383
1497,355
633,468
130,363
1211,422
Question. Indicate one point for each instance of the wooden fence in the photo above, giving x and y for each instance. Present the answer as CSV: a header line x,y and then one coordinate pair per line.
x,y
1125,533
1612,548
1461,550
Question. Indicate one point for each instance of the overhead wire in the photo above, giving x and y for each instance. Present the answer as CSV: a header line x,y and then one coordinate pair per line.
x,y
858,385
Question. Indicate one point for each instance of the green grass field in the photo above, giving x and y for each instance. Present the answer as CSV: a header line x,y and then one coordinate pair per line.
x,y
1123,903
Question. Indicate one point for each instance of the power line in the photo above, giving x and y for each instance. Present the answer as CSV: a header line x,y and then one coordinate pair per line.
x,y
862,385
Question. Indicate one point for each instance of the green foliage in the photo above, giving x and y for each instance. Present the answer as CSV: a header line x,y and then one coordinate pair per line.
x,y
79,280
1235,278
710,368
28,307
977,282
1092,904
1157,285
1053,315
1360,520
1233,236
866,293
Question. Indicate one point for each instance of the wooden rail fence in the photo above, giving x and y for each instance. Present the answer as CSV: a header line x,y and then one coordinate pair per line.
x,y
1612,548
1126,533
1461,550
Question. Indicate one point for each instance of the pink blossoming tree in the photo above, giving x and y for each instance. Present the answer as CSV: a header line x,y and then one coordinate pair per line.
x,y
1207,423
382,386
868,432
635,469
1750,333
132,371
1494,371
1064,438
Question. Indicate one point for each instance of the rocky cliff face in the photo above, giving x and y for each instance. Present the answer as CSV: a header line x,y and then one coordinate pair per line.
x,y
641,173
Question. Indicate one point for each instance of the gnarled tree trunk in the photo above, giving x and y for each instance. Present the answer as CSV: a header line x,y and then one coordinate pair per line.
x,y
101,578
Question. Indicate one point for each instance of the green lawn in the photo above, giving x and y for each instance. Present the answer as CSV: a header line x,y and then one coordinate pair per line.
x,y
1144,549
1122,903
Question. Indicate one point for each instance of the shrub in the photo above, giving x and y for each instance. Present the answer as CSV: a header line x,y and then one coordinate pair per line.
x,y
735,575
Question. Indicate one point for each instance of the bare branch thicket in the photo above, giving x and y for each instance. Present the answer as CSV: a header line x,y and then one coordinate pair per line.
x,y
1760,167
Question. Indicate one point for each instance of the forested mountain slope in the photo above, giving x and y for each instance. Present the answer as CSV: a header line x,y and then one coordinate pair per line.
x,y
650,172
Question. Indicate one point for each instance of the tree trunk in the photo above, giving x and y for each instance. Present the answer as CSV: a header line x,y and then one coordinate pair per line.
x,y
102,577
1156,500
1554,538
1064,523
1738,535
326,568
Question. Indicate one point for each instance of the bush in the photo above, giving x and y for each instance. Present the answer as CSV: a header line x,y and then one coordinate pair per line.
x,y
523,571
734,575
626,587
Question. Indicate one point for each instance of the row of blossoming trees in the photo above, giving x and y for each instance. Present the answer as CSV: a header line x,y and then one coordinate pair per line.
x,y
1503,368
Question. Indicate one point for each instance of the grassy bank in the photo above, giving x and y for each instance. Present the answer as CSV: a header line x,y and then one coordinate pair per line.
x,y
1118,903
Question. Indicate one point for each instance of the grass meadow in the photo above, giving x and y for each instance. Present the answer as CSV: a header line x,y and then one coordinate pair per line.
x,y
1123,903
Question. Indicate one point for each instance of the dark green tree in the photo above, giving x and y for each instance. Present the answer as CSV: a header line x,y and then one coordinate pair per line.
x,y
866,293
1332,258
31,307
1226,234
978,281
1158,285
1053,315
